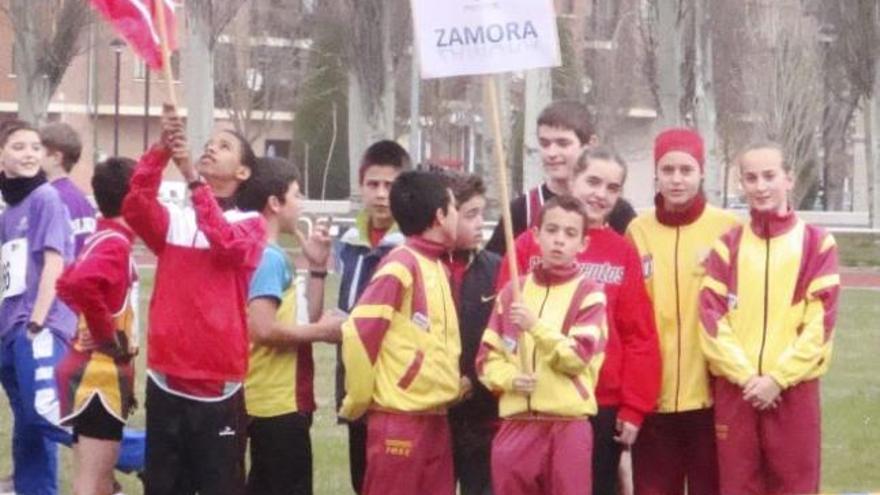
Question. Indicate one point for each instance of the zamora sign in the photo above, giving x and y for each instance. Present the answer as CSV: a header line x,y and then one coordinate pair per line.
x,y
482,35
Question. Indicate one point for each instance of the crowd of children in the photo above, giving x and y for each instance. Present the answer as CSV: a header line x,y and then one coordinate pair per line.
x,y
685,336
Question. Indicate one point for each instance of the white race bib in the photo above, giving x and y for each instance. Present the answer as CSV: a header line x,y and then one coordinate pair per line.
x,y
14,256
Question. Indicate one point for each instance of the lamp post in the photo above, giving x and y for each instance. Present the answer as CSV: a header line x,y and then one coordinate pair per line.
x,y
117,45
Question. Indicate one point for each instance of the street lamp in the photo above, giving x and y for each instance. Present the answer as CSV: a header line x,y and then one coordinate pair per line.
x,y
117,45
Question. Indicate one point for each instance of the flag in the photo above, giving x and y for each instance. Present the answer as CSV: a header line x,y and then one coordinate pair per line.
x,y
137,23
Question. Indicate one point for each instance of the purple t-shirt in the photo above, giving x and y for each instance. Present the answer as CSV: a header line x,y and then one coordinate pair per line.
x,y
82,213
38,223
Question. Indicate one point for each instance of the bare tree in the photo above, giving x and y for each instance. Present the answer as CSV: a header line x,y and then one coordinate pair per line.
x,y
787,86
379,35
256,67
205,20
47,38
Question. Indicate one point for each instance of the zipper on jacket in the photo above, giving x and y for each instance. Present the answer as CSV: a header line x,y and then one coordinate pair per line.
x,y
766,301
535,347
677,322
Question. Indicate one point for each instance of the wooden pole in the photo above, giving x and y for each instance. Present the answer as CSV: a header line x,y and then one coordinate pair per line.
x,y
491,96
491,101
166,52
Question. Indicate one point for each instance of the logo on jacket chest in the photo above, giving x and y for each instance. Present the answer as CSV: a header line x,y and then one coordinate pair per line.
x,y
647,266
604,273
421,321
732,301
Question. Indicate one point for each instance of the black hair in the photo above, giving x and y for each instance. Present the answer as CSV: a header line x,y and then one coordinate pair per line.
x,y
61,137
567,203
271,177
247,156
386,153
110,184
465,186
415,198
571,115
10,127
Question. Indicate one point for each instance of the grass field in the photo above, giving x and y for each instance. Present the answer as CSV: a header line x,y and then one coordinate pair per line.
x,y
851,406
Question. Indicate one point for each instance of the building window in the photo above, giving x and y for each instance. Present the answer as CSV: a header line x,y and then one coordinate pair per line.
x,y
277,148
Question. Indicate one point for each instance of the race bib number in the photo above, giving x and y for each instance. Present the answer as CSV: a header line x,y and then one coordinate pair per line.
x,y
14,258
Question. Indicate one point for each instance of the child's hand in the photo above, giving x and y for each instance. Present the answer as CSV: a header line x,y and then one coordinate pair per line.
x,y
522,317
86,342
466,388
626,433
316,248
174,138
524,384
762,392
331,324
171,125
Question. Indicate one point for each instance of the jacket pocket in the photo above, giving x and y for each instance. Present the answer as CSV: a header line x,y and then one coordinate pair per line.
x,y
412,370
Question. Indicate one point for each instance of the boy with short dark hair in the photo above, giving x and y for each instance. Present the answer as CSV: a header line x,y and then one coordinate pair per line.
x,y
542,355
96,378
63,150
472,277
401,348
358,253
284,319
565,130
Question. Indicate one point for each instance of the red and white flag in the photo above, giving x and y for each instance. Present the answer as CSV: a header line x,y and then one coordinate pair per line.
x,y
138,23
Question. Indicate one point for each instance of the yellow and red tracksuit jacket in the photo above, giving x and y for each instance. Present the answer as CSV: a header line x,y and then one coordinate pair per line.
x,y
564,350
401,344
672,247
768,302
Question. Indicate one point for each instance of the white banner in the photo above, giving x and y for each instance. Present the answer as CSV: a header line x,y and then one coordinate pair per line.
x,y
464,37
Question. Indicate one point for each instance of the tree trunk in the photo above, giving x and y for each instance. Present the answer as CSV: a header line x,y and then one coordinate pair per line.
x,y
668,30
371,85
871,147
539,93
197,64
704,96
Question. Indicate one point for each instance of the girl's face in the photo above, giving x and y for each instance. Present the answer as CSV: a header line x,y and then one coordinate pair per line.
x,y
764,180
678,179
598,187
22,154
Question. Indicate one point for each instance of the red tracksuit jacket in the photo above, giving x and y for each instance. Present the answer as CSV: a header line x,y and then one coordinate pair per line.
x,y
198,323
630,376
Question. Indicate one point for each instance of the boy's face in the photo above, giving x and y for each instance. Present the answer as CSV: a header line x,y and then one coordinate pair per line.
x,y
764,180
221,159
470,223
560,149
448,222
561,237
23,154
599,187
678,178
375,189
288,213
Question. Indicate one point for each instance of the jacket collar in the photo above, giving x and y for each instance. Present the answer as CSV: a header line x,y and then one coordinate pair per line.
x,y
549,276
678,218
426,248
105,224
769,224
359,234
